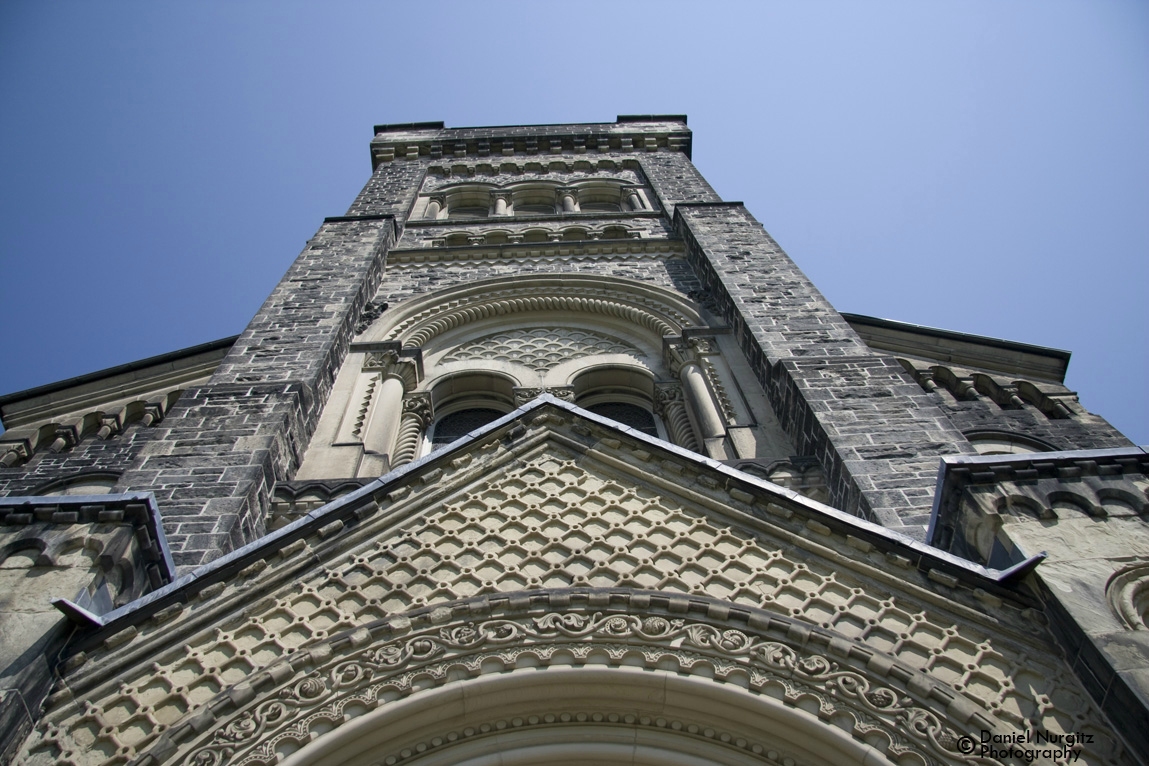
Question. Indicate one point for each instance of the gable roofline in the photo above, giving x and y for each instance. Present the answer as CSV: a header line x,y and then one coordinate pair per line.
x,y
332,518
157,367
960,348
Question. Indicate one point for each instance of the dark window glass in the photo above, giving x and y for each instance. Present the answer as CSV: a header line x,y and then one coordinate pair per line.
x,y
629,415
451,427
530,209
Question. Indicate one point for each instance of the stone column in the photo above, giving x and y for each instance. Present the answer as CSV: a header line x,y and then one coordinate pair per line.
x,y
434,207
500,203
416,416
383,434
706,414
568,200
671,407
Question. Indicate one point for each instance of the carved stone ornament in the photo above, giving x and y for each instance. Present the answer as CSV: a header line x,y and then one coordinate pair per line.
x,y
1128,592
391,364
541,349
524,395
371,312
650,312
353,675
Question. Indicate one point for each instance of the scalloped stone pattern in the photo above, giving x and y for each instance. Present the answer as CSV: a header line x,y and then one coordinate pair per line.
x,y
556,519
540,349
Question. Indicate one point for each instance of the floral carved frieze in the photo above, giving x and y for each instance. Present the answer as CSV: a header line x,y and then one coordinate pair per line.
x,y
354,675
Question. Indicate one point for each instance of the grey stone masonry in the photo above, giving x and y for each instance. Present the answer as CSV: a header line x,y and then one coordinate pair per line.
x,y
103,456
876,433
675,179
214,464
1079,429
647,133
391,190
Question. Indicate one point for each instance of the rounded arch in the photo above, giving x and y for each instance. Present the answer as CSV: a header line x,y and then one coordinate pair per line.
x,y
473,388
87,483
997,442
579,715
626,673
623,393
653,311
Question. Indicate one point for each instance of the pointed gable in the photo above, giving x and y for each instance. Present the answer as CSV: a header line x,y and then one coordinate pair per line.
x,y
550,500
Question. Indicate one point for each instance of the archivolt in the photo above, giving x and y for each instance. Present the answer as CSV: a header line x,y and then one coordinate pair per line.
x,y
657,311
641,673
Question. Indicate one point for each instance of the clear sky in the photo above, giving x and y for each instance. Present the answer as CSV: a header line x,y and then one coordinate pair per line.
x,y
977,166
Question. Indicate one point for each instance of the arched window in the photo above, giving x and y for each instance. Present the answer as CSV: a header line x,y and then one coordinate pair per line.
x,y
96,483
469,202
1005,443
451,427
629,415
534,200
622,394
465,402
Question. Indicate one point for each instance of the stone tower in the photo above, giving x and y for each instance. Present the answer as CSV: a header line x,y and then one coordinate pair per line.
x,y
544,453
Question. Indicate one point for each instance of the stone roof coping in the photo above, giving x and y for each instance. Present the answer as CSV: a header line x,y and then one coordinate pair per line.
x,y
72,509
962,469
141,365
345,507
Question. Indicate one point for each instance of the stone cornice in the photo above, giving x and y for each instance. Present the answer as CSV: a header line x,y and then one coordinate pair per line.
x,y
591,249
805,521
136,508
414,140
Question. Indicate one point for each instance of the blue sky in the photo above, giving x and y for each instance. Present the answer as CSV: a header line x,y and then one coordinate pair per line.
x,y
976,166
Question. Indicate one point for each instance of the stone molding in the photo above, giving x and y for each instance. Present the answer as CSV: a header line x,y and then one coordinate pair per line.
x,y
657,311
888,706
539,349
536,252
556,140
213,635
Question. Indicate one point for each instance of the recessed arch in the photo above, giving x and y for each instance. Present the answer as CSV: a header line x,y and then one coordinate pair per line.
x,y
613,679
997,442
88,483
580,715
653,311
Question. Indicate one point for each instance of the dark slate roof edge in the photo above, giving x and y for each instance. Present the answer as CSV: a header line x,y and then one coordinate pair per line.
x,y
154,524
224,567
948,464
984,340
140,364
621,119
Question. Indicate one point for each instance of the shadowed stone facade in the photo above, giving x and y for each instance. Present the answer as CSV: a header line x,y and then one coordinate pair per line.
x,y
543,452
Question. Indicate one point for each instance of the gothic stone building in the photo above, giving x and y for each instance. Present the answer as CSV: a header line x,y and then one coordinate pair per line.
x,y
544,453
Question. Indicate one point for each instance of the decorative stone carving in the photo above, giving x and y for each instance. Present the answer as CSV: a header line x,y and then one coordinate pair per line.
x,y
371,312
540,349
651,311
350,680
391,364
1128,592
13,452
524,395
416,416
670,405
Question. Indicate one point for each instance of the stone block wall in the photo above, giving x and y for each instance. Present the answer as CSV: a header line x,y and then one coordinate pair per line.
x,y
1080,430
91,455
214,464
876,433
